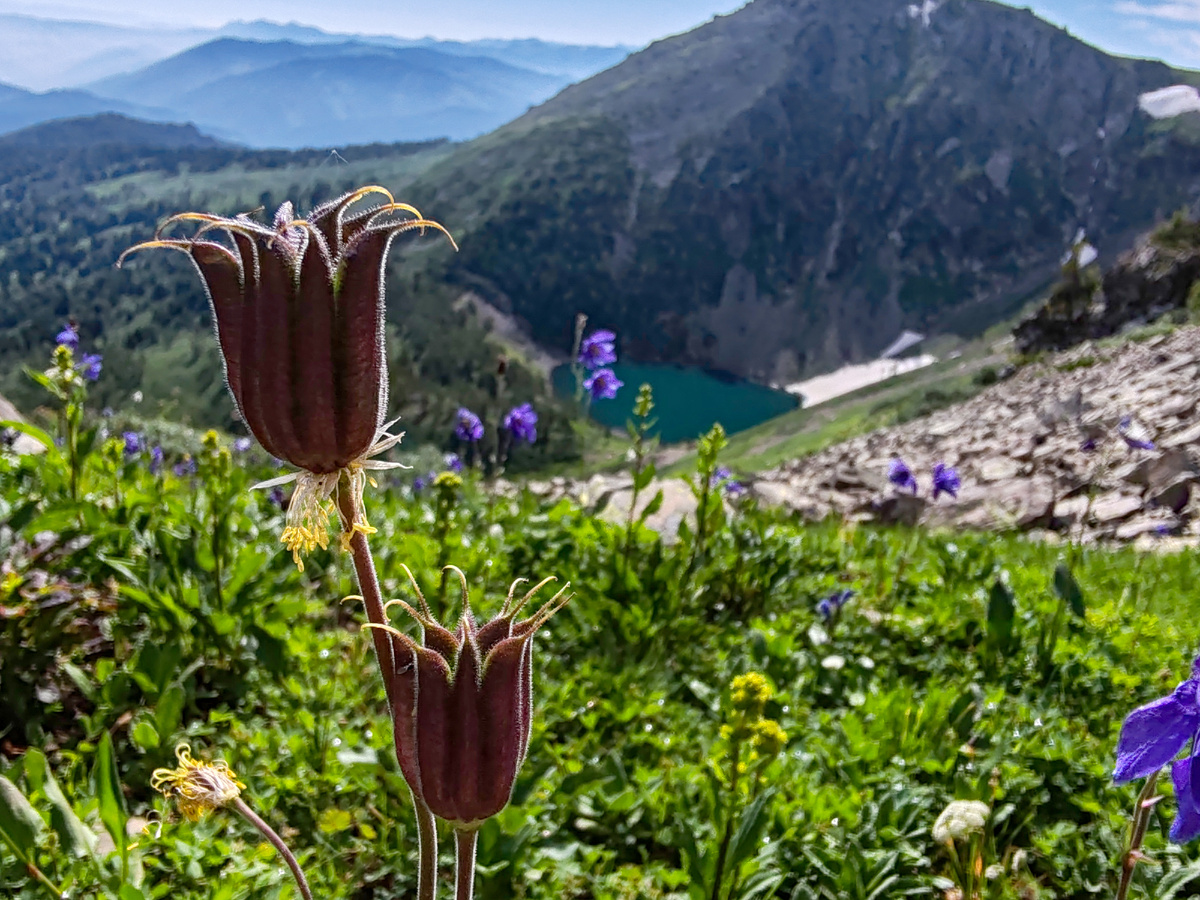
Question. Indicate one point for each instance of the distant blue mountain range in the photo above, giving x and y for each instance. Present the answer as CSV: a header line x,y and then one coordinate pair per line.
x,y
270,85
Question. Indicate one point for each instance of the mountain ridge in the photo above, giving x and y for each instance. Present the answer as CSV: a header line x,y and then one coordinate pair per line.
x,y
784,189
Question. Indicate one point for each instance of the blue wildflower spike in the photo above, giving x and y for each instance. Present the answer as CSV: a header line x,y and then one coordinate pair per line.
x,y
1134,435
521,422
901,475
945,481
469,427
603,384
1152,736
598,349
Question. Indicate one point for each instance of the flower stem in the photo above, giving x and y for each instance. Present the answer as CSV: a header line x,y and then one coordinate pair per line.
x,y
427,851
368,586
1141,822
276,841
464,863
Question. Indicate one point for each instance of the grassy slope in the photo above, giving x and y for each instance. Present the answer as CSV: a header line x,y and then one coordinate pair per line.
x,y
901,706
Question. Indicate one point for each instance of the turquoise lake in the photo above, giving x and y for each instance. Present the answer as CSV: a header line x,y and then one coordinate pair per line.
x,y
687,401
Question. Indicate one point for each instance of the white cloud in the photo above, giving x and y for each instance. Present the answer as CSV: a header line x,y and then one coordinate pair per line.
x,y
1178,11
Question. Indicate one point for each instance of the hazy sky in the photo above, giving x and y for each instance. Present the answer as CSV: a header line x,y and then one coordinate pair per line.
x,y
1167,29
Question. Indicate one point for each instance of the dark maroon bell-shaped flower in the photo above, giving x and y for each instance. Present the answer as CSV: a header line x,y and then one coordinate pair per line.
x,y
463,704
299,309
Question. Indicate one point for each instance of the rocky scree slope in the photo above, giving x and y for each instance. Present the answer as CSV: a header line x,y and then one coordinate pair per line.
x,y
785,188
1019,449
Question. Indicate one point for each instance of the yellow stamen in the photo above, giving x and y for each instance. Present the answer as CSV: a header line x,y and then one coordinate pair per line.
x,y
197,786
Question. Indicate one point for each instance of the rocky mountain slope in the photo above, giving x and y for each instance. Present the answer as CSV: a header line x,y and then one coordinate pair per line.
x,y
785,188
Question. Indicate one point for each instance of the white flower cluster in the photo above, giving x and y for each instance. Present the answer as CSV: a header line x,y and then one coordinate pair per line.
x,y
960,818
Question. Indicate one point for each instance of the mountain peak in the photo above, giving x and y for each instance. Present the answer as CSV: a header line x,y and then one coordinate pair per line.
x,y
786,188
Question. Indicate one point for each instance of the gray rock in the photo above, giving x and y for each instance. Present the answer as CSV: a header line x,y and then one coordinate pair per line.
x,y
1114,507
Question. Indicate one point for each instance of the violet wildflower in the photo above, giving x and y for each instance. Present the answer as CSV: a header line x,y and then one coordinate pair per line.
x,y
469,428
453,463
299,310
598,349
1152,736
241,445
133,444
830,606
68,337
277,497
107,412
521,422
945,481
90,365
901,475
1089,445
419,484
156,459
185,467
723,478
1134,435
603,384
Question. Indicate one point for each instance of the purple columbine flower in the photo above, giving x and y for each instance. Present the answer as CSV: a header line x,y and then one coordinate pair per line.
x,y
156,459
133,444
242,444
1134,435
186,466
454,463
68,337
603,384
945,481
901,476
1152,736
90,365
469,427
829,606
521,422
598,349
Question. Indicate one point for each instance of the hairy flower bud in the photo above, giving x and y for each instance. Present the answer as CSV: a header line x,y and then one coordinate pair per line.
x,y
463,704
299,310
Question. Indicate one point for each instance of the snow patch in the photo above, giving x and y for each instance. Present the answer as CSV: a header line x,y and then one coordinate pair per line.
x,y
1165,103
923,10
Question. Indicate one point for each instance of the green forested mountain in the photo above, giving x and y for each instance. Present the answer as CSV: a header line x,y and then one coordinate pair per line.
x,y
70,205
787,187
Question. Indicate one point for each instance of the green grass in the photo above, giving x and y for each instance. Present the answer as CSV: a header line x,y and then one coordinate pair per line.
x,y
160,608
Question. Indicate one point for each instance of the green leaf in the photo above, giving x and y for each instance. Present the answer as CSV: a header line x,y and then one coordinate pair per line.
x,y
168,713
1068,589
80,680
645,476
75,837
108,792
1001,613
144,734
652,507
748,836
20,824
